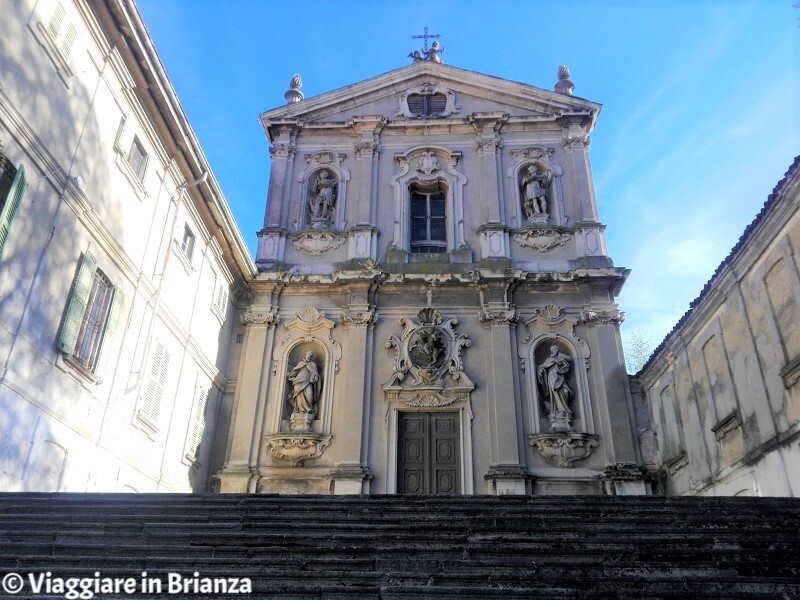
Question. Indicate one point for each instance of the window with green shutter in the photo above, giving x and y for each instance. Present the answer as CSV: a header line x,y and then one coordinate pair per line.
x,y
12,187
91,317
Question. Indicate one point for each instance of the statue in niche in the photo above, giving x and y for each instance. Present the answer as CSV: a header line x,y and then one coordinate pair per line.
x,y
323,198
304,378
551,375
534,193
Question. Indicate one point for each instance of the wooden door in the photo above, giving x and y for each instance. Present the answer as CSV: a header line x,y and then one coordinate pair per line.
x,y
428,453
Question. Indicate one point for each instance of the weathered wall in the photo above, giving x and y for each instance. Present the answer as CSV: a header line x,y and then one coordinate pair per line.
x,y
723,387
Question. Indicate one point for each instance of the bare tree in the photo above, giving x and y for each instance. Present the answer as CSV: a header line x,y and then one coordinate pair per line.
x,y
638,349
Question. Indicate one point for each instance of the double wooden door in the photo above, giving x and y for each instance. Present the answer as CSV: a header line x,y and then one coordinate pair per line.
x,y
428,453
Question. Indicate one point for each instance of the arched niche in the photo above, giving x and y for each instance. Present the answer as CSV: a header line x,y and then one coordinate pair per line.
x,y
427,167
540,159
551,326
309,331
316,163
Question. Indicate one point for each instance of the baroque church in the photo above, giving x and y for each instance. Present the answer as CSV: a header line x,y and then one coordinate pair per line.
x,y
431,310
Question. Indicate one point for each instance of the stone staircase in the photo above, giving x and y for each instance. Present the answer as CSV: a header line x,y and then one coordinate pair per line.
x,y
393,547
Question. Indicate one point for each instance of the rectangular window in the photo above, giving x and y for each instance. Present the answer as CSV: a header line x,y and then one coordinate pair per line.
x,y
92,315
137,159
187,244
12,187
428,224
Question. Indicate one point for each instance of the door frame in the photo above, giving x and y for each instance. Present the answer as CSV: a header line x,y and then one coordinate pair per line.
x,y
464,438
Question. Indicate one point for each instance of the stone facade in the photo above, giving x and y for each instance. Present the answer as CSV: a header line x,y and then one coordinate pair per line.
x,y
723,386
120,262
431,238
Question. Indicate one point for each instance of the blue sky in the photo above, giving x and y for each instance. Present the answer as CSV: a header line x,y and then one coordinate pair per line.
x,y
699,119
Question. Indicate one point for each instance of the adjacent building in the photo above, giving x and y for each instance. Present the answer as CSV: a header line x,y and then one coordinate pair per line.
x,y
120,261
723,386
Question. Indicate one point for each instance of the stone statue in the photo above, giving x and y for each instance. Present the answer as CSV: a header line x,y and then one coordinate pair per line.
x,y
304,378
534,193
552,378
416,56
323,197
433,54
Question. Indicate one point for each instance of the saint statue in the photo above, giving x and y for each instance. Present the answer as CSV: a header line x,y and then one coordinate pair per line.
x,y
552,378
304,378
323,197
534,192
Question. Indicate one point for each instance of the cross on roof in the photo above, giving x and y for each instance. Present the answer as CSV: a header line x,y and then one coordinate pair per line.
x,y
425,37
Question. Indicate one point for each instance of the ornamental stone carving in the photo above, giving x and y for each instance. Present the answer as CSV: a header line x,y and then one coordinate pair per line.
x,y
491,316
592,316
315,243
564,449
259,318
541,239
535,181
428,163
358,317
428,351
297,448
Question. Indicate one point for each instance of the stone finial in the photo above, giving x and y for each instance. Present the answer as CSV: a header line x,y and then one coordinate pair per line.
x,y
565,84
293,94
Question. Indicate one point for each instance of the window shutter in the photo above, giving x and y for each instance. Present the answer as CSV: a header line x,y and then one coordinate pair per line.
x,y
120,132
198,424
156,382
436,104
115,314
66,44
56,21
9,211
76,304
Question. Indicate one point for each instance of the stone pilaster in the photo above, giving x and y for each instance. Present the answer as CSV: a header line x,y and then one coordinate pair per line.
x,y
506,474
350,415
238,474
367,151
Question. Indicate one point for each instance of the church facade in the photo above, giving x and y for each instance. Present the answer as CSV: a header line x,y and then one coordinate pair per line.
x,y
435,308
431,309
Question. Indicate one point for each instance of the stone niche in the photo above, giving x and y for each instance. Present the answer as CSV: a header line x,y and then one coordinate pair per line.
x,y
300,405
556,363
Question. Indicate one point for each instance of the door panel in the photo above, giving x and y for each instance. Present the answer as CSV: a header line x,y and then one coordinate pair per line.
x,y
428,453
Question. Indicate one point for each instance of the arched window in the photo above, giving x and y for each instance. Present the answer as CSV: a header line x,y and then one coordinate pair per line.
x,y
428,217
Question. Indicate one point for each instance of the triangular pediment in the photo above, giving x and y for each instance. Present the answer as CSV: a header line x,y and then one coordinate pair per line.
x,y
473,92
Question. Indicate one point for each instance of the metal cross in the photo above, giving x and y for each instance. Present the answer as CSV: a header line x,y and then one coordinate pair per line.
x,y
425,36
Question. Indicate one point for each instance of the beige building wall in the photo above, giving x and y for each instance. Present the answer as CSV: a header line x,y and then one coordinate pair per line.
x,y
723,386
114,175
